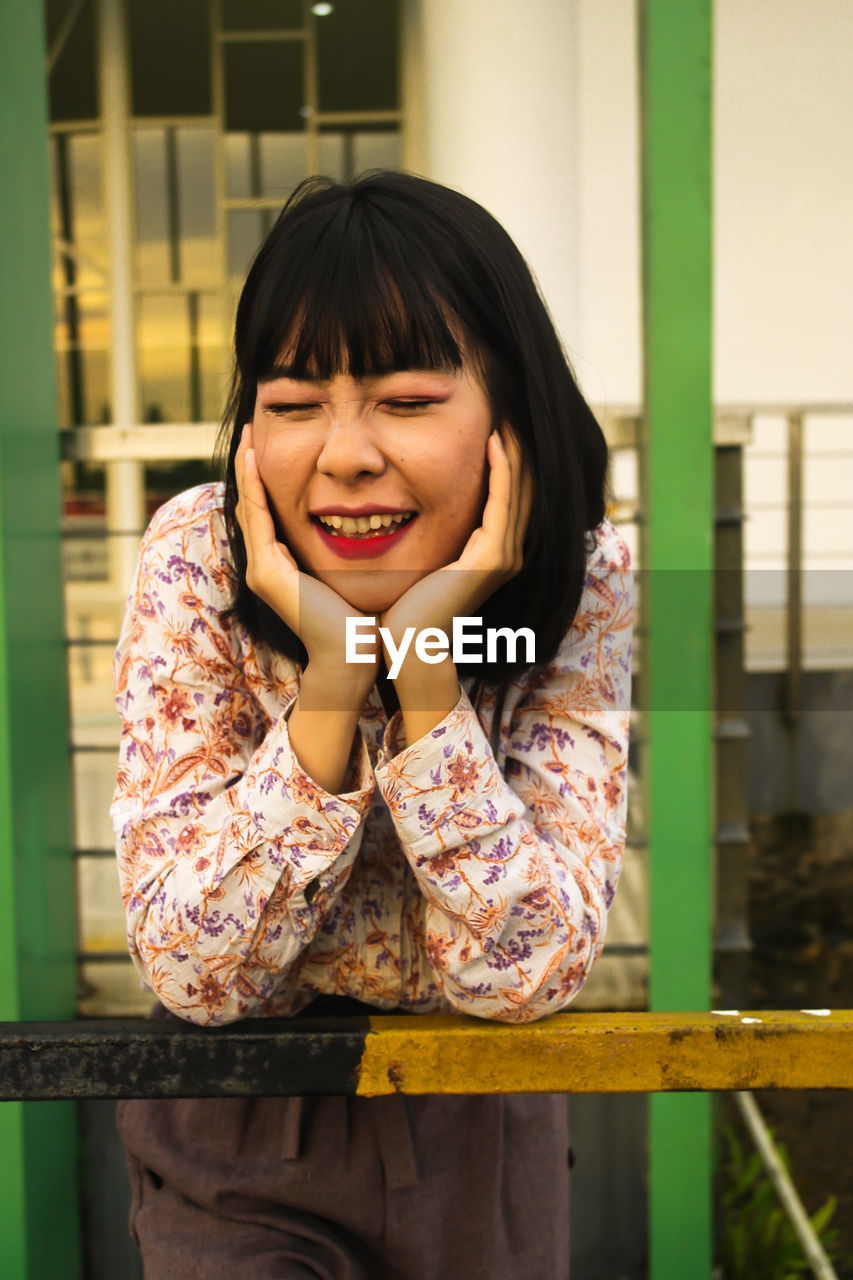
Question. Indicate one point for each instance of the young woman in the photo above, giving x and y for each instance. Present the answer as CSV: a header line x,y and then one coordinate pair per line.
x,y
406,444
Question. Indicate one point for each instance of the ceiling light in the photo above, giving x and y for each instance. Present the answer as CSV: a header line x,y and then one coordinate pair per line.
x,y
322,10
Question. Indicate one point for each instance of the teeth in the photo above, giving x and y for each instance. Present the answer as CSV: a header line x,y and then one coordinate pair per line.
x,y
354,525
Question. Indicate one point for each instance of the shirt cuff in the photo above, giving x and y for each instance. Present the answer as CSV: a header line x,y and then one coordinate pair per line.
x,y
446,789
285,802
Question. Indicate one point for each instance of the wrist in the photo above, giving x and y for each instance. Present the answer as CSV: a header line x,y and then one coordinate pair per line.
x,y
424,685
335,688
427,698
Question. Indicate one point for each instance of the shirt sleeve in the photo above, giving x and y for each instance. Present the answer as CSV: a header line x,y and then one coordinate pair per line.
x,y
230,855
518,864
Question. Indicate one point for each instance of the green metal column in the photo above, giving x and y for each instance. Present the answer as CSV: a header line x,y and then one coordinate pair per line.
x,y
39,1233
675,60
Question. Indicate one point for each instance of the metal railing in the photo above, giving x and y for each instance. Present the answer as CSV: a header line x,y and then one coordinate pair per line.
x,y
428,1053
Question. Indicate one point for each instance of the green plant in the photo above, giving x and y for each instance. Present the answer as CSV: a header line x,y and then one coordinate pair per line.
x,y
758,1241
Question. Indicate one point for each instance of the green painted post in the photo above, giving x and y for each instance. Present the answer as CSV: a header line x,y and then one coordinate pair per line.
x,y
675,59
39,1232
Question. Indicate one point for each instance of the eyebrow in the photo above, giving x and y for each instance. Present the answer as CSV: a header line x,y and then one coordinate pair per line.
x,y
290,371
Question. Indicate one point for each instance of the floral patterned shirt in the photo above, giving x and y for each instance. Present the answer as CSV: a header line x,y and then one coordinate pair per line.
x,y
444,877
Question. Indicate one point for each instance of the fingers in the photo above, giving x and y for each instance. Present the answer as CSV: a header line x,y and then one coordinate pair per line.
x,y
252,511
496,514
510,499
266,557
522,497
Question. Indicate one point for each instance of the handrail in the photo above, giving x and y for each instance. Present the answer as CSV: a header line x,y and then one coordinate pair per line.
x,y
428,1053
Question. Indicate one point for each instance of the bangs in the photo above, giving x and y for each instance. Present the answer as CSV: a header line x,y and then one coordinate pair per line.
x,y
358,298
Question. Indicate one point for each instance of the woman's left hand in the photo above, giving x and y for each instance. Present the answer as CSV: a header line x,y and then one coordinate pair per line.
x,y
491,556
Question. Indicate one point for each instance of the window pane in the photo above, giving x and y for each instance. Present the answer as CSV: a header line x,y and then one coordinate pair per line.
x,y
84,559
263,86
83,360
330,155
237,167
170,57
262,15
163,344
245,232
153,265
79,264
93,714
211,356
200,258
94,782
87,209
72,84
112,990
100,913
283,165
376,151
357,56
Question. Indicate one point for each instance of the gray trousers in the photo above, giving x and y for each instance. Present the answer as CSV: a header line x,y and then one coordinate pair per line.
x,y
396,1188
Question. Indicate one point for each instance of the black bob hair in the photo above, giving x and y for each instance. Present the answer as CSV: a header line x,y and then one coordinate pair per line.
x,y
395,272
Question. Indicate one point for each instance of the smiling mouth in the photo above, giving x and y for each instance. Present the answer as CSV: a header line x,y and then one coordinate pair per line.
x,y
364,528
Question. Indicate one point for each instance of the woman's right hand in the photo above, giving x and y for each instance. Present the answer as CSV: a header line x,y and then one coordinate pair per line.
x,y
311,609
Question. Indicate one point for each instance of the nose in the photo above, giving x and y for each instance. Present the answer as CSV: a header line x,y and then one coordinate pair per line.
x,y
349,449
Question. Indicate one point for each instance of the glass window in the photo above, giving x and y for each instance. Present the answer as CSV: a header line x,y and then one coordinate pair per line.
x,y
238,173
180,344
196,196
170,57
174,172
153,198
94,781
212,368
262,15
81,340
88,230
95,357
283,163
330,155
264,86
102,922
163,343
379,150
245,231
345,153
357,56
72,84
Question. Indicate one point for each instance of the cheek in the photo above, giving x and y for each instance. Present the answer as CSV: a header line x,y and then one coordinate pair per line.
x,y
467,488
283,463
281,481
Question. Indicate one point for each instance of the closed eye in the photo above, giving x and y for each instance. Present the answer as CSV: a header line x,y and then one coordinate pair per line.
x,y
408,406
283,408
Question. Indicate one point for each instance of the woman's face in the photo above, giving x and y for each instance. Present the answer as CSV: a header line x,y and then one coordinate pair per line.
x,y
374,483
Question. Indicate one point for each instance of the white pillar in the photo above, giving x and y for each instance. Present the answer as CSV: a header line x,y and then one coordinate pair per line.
x,y
490,95
125,480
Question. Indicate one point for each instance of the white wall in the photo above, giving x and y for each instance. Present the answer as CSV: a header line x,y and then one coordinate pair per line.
x,y
533,109
783,177
783,271
783,200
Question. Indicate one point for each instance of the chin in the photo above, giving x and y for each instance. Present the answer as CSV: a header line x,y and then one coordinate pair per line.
x,y
370,591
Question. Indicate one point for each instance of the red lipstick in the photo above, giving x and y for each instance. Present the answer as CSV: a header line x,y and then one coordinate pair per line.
x,y
363,548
